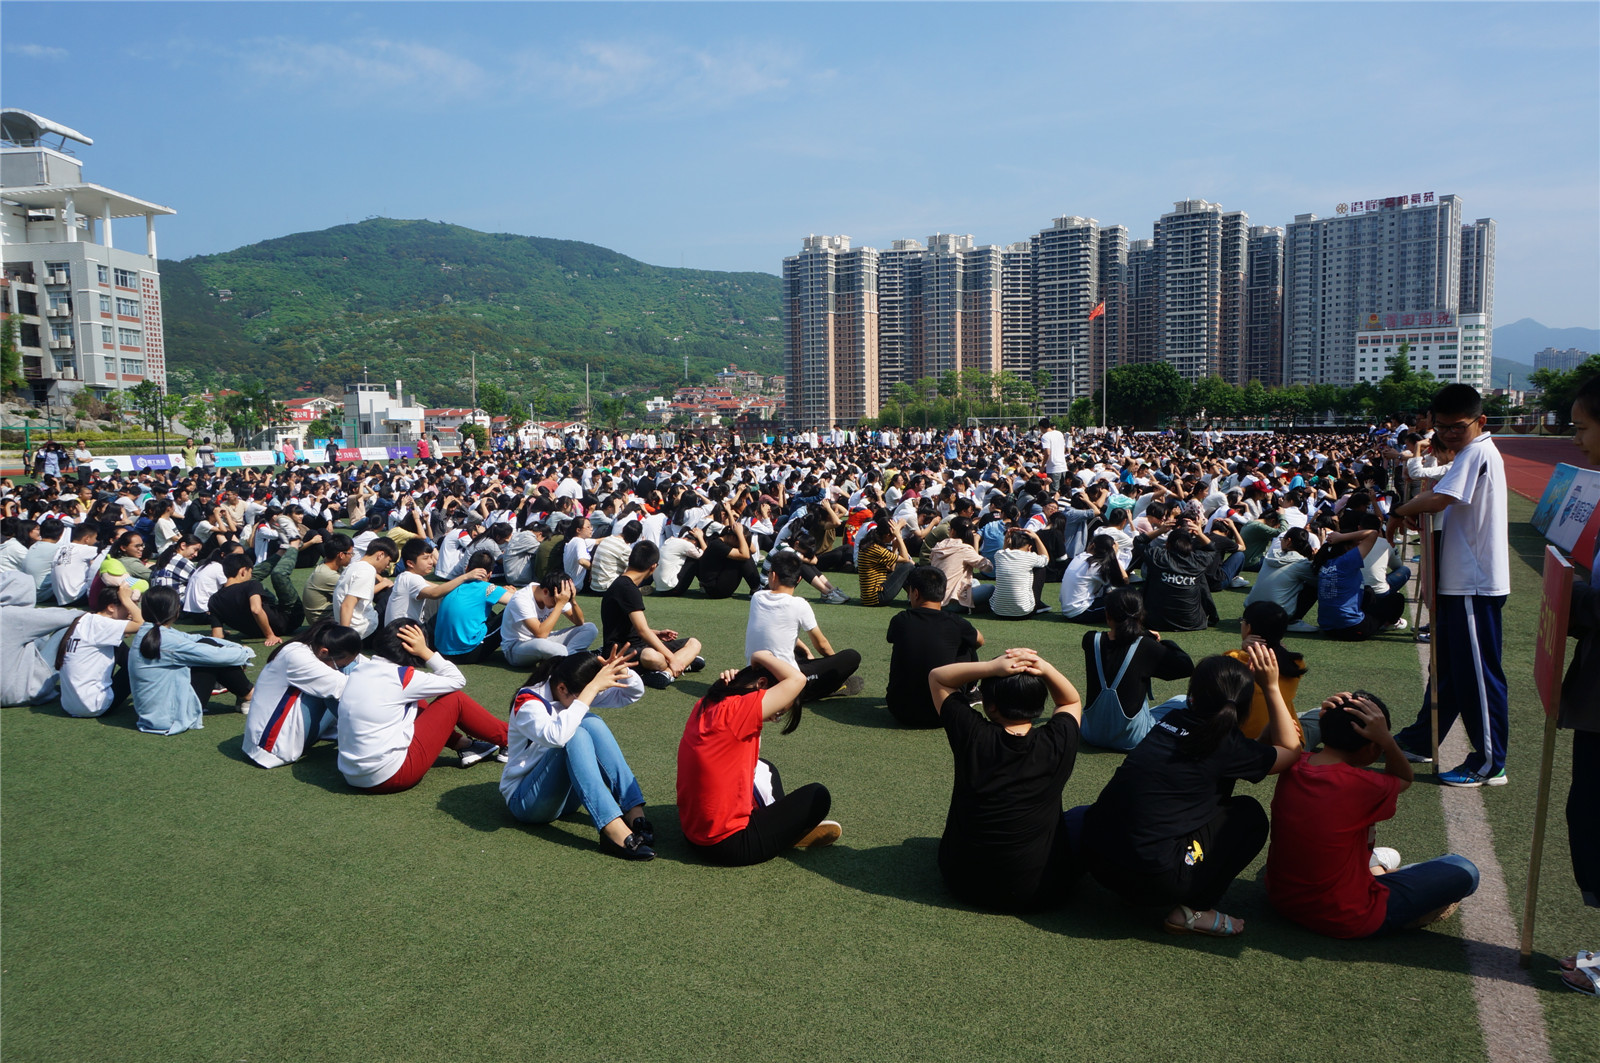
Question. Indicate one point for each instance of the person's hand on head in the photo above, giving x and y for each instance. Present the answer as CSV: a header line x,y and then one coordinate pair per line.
x,y
414,640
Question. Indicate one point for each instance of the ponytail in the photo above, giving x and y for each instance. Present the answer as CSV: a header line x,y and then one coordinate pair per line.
x,y
1220,692
160,606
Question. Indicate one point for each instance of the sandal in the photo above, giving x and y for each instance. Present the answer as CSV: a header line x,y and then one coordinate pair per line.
x,y
1585,966
1222,926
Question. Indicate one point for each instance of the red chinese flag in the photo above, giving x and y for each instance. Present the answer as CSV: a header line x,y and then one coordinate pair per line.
x,y
1099,309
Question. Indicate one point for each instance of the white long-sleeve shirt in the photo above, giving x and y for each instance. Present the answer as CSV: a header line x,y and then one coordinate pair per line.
x,y
277,731
539,724
378,714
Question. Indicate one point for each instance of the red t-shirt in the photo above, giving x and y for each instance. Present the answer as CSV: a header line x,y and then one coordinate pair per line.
x,y
717,767
1317,866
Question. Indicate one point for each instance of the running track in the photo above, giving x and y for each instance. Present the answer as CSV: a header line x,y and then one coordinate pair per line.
x,y
1530,459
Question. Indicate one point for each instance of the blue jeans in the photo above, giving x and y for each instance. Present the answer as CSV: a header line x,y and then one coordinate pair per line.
x,y
587,771
981,593
1232,567
1417,889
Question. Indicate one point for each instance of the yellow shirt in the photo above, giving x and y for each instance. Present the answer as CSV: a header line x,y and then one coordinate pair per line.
x,y
1255,722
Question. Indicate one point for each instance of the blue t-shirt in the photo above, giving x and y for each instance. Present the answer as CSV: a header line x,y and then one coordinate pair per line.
x,y
462,622
1339,592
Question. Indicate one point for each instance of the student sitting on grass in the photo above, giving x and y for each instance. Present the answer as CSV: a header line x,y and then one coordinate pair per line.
x,y
414,595
173,672
389,736
562,757
1006,843
924,637
249,608
297,694
1121,662
779,618
529,621
660,656
1322,871
1347,609
884,562
462,628
1267,622
1167,830
731,802
93,659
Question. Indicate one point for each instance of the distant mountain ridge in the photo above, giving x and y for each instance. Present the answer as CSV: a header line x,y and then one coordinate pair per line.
x,y
414,300
1521,340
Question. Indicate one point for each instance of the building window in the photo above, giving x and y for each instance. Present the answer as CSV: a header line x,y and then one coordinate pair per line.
x,y
63,268
105,304
61,332
108,336
130,307
126,278
128,337
133,366
102,274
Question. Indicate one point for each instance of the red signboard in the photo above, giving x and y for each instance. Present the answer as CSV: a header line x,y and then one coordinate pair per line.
x,y
1550,654
349,453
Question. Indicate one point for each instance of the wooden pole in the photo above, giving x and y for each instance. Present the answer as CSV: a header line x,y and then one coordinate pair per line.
x,y
1530,900
1430,564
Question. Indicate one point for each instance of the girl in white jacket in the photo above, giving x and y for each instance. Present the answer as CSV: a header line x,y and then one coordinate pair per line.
x,y
562,757
298,691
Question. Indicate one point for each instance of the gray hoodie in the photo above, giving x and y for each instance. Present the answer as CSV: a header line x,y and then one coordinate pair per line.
x,y
29,638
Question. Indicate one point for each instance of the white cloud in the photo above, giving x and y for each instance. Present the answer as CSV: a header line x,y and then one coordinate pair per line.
x,y
38,51
364,68
661,74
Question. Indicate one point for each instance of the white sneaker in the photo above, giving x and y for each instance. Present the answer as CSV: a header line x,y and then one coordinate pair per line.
x,y
1400,625
1240,583
475,752
1385,857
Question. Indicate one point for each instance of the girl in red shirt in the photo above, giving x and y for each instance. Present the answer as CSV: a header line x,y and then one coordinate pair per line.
x,y
721,803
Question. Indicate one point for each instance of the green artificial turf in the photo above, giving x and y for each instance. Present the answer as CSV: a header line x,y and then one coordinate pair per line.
x,y
165,900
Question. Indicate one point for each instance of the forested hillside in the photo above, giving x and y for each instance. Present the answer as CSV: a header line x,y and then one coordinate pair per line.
x,y
415,299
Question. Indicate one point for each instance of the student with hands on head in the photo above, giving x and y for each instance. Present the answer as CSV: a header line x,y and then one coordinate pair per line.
x,y
1006,841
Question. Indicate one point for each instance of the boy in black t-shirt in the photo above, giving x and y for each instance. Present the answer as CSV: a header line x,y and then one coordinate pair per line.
x,y
924,637
247,607
662,655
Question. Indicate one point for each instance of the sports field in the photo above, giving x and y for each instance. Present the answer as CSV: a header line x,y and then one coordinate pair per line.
x,y
164,900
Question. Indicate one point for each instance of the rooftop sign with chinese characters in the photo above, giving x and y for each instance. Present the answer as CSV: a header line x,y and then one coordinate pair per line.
x,y
1361,206
1421,319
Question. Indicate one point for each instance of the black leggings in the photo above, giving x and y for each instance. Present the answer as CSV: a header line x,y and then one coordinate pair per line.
x,y
686,575
481,652
205,680
835,560
1228,843
824,675
772,829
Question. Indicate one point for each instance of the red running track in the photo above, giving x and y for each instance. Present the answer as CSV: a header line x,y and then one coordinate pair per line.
x,y
1531,459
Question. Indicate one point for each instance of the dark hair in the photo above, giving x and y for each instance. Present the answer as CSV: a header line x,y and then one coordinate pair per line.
x,y
327,635
160,606
1014,697
336,544
786,566
572,671
1338,726
1588,396
749,679
171,551
1269,622
388,644
644,554
105,598
1457,400
928,582
1220,692
1102,551
480,559
1125,613
1297,540
383,545
630,532
413,550
234,564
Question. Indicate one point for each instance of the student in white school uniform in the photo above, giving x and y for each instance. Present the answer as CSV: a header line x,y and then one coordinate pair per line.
x,y
529,621
395,718
779,618
73,566
298,692
561,756
93,658
355,596
415,596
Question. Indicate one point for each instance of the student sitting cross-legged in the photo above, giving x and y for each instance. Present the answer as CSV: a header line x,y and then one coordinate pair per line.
x,y
924,637
528,624
661,655
779,618
1006,841
1322,870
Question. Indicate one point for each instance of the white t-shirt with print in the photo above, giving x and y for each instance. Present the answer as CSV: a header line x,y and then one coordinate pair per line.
x,y
86,672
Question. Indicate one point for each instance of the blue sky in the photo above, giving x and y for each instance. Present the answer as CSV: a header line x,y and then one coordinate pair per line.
x,y
719,135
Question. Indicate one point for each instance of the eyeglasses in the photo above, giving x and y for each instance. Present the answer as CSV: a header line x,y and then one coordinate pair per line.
x,y
1441,427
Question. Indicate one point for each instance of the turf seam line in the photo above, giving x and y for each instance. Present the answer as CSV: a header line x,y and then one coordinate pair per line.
x,y
1510,1012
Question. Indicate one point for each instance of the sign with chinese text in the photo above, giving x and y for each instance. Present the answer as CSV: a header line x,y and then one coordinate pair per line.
x,y
1361,206
1550,652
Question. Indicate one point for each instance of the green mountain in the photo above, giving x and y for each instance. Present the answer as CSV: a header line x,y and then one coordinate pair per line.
x,y
414,300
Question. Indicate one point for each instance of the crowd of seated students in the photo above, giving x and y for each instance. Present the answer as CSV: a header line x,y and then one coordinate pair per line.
x,y
1143,536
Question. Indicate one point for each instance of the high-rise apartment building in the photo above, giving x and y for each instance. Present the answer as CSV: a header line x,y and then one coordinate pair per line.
x,y
1066,260
88,313
1400,254
1109,333
1561,361
1263,347
1477,281
961,311
830,312
1144,303
1233,326
1188,241
899,315
1450,346
1016,309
